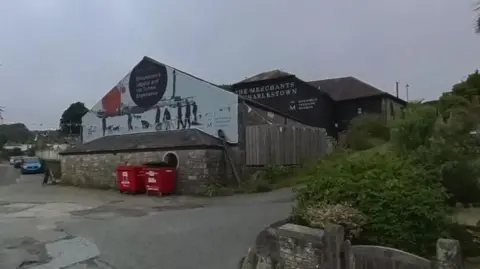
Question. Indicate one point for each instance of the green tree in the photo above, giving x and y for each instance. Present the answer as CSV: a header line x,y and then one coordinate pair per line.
x,y
71,119
16,133
225,86
469,88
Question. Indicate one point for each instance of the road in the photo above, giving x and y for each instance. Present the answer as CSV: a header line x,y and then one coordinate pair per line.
x,y
67,227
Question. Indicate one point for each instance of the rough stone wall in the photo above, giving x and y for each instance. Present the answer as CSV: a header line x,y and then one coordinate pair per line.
x,y
196,168
289,246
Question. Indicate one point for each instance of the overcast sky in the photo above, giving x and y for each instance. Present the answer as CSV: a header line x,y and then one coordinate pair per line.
x,y
54,53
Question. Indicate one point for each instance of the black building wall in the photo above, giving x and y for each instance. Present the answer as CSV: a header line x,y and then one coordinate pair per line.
x,y
347,110
293,97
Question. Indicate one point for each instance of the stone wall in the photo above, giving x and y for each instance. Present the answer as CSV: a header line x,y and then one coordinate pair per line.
x,y
289,246
196,168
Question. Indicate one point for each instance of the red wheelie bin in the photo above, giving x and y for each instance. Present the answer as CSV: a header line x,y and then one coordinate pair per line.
x,y
160,180
130,178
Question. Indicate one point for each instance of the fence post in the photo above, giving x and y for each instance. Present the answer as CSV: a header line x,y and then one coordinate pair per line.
x,y
334,238
449,254
348,259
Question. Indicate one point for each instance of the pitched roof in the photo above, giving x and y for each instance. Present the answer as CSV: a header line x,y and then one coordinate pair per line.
x,y
347,88
266,75
153,140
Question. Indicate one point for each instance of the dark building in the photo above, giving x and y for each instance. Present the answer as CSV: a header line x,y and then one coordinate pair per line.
x,y
288,94
329,103
354,97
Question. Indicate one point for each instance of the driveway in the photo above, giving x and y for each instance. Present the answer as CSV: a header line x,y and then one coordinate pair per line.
x,y
67,227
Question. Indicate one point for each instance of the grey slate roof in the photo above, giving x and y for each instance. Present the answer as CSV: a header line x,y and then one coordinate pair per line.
x,y
189,138
348,88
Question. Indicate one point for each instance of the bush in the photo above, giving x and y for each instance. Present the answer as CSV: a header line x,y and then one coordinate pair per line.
x,y
367,131
273,174
441,141
319,215
415,128
403,202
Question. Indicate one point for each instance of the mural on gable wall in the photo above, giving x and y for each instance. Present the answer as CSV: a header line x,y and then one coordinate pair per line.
x,y
154,97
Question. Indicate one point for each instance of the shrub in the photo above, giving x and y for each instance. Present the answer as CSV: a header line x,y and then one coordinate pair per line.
x,y
403,202
273,174
366,131
321,214
441,141
415,128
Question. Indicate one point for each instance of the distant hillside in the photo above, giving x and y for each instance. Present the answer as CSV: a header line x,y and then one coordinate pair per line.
x,y
15,133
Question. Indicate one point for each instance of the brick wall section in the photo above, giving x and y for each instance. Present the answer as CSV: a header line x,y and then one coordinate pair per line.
x,y
196,168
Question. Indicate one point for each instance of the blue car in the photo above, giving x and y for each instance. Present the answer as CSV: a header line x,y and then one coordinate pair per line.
x,y
31,166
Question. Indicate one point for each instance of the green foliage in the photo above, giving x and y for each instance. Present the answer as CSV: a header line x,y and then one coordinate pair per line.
x,y
403,202
441,141
213,189
14,133
367,131
321,214
414,128
469,88
225,86
71,120
274,174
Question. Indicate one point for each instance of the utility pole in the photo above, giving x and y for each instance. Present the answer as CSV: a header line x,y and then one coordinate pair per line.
x,y
2,109
406,90
396,88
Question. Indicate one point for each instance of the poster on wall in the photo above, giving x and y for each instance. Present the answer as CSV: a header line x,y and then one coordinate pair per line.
x,y
154,97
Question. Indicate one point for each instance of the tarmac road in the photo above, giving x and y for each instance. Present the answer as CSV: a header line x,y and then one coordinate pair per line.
x,y
8,175
67,227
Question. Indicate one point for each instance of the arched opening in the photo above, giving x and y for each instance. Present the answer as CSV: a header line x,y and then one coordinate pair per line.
x,y
171,159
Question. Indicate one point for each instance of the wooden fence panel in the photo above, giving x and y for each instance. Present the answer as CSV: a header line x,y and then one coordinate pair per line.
x,y
283,144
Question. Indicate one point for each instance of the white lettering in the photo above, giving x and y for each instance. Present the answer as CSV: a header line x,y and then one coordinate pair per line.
x,y
269,91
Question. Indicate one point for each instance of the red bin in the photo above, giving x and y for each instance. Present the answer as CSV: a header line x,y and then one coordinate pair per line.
x,y
160,180
130,178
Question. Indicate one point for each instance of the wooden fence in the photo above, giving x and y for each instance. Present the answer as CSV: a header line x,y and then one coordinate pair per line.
x,y
284,144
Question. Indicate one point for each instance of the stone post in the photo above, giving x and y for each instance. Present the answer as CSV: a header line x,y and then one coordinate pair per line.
x,y
449,254
334,238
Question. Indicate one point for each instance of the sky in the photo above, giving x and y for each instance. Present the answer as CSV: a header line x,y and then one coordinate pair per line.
x,y
56,52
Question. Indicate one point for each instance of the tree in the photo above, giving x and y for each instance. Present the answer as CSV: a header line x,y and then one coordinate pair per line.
x,y
477,20
469,88
225,86
16,133
71,120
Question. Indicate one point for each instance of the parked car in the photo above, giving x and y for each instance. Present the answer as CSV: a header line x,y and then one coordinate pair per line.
x,y
17,163
31,165
13,158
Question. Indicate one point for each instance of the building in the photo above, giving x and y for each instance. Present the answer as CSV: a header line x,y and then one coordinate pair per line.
x,y
290,95
354,97
159,113
329,103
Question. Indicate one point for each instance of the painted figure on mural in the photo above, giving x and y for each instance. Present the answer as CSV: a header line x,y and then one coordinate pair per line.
x,y
129,119
104,124
158,124
167,119
179,116
194,110
187,114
